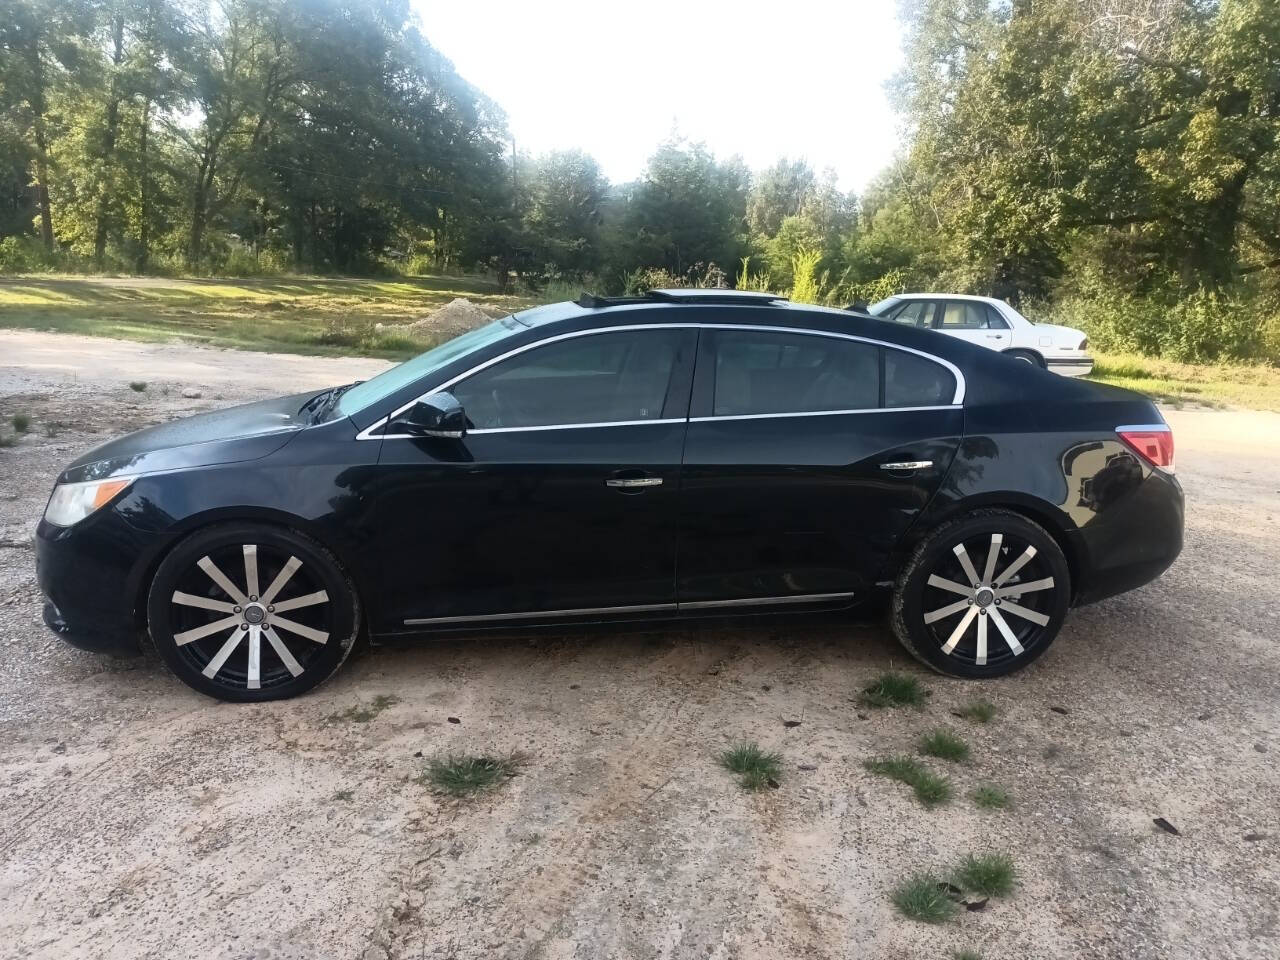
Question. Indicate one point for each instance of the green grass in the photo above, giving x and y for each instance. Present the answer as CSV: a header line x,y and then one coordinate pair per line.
x,y
987,874
461,775
944,745
21,422
923,897
979,711
966,955
363,713
930,789
137,386
894,690
756,768
990,797
1256,386
332,316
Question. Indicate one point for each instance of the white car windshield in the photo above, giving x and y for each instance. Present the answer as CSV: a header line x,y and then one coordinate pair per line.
x,y
881,305
385,384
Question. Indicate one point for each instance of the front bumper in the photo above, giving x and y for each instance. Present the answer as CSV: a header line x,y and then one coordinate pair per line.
x,y
1070,366
90,577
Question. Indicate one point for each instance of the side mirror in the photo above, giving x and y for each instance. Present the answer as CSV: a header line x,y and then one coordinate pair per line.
x,y
437,415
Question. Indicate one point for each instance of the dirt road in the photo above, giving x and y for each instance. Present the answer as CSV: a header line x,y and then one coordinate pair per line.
x,y
139,819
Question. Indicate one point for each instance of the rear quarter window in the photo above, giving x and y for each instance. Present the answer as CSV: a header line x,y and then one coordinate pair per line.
x,y
911,380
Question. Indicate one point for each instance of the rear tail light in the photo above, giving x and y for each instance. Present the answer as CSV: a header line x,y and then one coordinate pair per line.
x,y
1152,442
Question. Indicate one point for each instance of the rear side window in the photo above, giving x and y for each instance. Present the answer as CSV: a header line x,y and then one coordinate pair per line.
x,y
970,315
913,381
761,372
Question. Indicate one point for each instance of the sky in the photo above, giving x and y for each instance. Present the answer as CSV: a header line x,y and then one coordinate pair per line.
x,y
801,78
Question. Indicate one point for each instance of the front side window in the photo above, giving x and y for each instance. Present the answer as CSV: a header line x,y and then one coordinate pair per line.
x,y
597,378
759,372
915,313
912,381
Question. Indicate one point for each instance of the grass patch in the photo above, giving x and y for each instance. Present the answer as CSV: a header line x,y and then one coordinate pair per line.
x,y
987,874
1256,386
930,789
979,711
8,441
137,386
966,955
756,769
344,795
990,797
328,316
21,422
944,745
461,775
923,897
363,713
894,690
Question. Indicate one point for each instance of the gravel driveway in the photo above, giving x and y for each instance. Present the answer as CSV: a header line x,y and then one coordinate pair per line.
x,y
139,819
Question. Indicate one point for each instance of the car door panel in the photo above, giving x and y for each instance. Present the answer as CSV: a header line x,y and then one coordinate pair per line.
x,y
787,506
516,521
797,502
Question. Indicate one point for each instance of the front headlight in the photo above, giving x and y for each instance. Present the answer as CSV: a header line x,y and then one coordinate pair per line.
x,y
72,502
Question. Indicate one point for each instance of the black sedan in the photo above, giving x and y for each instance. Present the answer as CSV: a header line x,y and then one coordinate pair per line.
x,y
682,454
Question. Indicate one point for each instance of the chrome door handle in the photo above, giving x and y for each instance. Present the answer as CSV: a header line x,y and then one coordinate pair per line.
x,y
634,482
908,465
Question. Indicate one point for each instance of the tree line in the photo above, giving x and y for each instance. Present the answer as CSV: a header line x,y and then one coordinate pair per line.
x,y
1116,162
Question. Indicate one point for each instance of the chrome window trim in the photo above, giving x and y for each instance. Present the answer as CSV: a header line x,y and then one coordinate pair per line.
x,y
818,413
576,426
958,398
633,608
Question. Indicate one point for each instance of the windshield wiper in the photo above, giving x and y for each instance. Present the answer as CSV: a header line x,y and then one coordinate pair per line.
x,y
326,401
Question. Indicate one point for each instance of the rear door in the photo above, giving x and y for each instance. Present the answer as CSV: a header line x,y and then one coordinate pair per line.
x,y
808,456
976,322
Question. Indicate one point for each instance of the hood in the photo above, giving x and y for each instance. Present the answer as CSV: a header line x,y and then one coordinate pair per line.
x,y
233,435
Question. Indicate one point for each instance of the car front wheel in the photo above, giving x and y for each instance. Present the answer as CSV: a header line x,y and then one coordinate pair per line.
x,y
982,596
250,612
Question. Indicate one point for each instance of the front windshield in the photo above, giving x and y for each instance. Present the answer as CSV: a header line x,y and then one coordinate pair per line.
x,y
388,382
881,305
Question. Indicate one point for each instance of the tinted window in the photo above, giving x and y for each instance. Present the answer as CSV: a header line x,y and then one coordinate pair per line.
x,y
969,315
762,372
398,377
913,381
918,313
598,378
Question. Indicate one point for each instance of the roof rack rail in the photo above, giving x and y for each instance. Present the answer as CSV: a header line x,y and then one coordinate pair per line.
x,y
706,295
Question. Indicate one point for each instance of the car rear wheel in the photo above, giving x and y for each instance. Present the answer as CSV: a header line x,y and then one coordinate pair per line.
x,y
982,596
250,612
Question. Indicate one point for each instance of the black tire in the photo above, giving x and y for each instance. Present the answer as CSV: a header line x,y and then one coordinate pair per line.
x,y
954,640
294,653
1027,356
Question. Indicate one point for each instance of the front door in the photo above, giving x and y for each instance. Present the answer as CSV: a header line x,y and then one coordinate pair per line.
x,y
561,498
807,458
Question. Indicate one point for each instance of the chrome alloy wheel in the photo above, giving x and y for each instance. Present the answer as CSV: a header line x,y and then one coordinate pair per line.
x,y
1002,610
229,649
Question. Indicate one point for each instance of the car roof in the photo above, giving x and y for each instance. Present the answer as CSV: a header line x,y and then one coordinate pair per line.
x,y
607,307
944,296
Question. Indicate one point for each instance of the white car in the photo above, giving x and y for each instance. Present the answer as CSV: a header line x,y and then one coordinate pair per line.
x,y
993,324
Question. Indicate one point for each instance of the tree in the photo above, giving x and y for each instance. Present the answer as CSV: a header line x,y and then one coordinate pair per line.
x,y
563,213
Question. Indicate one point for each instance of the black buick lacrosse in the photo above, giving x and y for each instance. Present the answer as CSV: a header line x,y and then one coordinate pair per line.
x,y
688,453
